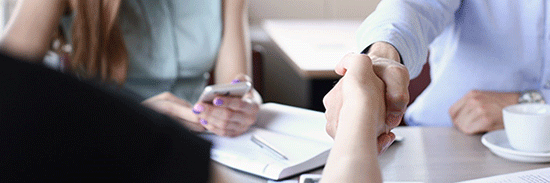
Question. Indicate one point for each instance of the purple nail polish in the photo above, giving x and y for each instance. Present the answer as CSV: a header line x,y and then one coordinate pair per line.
x,y
203,122
218,102
197,109
235,81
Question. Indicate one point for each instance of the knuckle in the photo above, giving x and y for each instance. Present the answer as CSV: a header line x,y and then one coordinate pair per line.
x,y
398,96
474,94
399,70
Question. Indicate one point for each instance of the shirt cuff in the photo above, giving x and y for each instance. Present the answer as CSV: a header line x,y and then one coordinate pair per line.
x,y
412,56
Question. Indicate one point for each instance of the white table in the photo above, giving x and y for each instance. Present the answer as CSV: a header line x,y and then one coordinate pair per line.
x,y
430,155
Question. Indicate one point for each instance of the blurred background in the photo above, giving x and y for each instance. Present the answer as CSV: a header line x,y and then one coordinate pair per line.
x,y
281,81
281,75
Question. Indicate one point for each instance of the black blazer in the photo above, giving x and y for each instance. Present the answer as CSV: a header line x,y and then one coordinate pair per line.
x,y
54,127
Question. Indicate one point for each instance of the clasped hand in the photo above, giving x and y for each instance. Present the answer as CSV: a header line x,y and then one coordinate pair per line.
x,y
394,92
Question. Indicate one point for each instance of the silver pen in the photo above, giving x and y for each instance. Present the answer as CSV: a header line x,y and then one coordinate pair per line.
x,y
263,143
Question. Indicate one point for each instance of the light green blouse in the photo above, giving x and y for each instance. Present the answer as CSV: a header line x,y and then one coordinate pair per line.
x,y
172,45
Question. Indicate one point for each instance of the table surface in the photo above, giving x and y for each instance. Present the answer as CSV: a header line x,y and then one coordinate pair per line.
x,y
313,47
429,155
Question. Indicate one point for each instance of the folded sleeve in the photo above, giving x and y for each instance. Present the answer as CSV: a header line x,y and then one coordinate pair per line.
x,y
409,25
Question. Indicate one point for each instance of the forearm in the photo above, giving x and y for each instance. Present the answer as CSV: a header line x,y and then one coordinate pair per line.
x,y
235,54
409,25
29,31
353,157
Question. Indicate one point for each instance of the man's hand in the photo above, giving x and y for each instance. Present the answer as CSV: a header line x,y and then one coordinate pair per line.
x,y
481,111
387,66
333,101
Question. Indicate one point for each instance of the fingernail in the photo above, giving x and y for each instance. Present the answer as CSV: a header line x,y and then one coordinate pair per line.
x,y
218,102
235,81
390,141
383,150
197,109
394,119
203,122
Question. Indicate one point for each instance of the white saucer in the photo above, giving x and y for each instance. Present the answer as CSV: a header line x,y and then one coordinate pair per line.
x,y
498,143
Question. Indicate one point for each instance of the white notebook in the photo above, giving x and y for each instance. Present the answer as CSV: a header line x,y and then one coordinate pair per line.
x,y
297,135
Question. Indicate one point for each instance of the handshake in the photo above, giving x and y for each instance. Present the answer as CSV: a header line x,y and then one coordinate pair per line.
x,y
362,99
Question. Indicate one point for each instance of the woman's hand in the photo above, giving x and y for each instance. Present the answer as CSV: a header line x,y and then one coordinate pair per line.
x,y
180,110
356,107
229,116
360,86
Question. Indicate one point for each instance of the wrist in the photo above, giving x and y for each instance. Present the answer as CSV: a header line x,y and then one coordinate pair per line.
x,y
531,96
359,120
384,50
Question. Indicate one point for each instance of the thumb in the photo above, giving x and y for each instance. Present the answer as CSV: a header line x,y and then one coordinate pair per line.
x,y
358,65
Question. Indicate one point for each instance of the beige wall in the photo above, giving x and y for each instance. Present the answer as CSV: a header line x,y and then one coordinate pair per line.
x,y
310,9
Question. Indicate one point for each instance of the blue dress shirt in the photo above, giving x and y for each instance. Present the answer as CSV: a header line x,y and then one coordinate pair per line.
x,y
488,45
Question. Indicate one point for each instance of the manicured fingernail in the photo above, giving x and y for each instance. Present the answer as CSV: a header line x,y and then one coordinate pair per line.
x,y
218,102
203,122
235,81
394,119
197,109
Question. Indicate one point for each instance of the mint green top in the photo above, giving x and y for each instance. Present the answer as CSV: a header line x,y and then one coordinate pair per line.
x,y
172,44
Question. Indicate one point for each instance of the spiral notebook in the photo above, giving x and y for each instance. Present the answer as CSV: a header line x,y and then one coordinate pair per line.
x,y
285,141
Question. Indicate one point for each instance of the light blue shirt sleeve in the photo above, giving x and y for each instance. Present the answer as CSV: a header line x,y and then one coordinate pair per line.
x,y
409,25
483,45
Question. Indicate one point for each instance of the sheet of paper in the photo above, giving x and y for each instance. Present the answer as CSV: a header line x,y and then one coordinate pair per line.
x,y
299,134
293,121
243,154
532,176
295,149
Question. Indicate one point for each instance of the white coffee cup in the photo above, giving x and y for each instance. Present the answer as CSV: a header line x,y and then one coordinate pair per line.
x,y
527,127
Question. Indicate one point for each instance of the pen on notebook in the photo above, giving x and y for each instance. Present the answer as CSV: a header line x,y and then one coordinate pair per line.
x,y
263,143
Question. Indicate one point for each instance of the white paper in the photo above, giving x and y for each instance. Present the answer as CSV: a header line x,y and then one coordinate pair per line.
x,y
532,176
297,133
293,121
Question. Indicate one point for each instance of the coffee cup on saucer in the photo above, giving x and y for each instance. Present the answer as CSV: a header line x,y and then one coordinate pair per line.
x,y
527,127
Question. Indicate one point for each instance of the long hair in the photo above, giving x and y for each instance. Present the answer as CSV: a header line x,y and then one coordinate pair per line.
x,y
98,46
